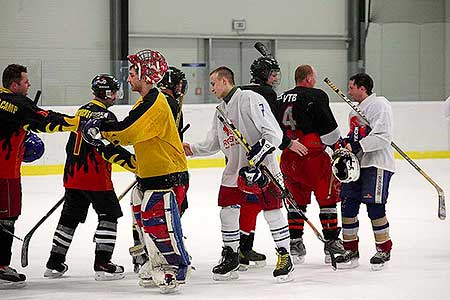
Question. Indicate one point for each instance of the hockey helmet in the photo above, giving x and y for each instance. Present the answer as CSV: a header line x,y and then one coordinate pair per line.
x,y
345,165
172,80
104,85
262,68
34,148
149,64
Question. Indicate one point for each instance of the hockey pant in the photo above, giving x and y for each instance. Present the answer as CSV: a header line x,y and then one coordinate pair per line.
x,y
157,214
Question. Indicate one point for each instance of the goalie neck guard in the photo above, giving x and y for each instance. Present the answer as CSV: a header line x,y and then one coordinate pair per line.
x,y
345,166
149,64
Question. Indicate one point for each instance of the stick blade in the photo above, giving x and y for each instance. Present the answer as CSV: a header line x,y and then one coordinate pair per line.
x,y
24,253
442,212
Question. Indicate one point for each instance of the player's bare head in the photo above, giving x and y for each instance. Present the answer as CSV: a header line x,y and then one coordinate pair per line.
x,y
222,81
12,73
224,72
15,78
305,74
363,80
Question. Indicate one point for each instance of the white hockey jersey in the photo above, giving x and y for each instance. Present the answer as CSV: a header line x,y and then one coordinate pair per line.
x,y
376,146
251,115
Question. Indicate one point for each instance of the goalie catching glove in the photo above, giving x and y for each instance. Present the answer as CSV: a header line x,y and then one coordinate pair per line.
x,y
259,151
251,180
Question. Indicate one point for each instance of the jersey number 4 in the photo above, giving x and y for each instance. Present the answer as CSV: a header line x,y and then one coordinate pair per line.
x,y
288,120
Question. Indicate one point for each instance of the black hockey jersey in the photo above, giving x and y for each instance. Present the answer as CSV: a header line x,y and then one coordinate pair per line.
x,y
304,110
87,167
267,92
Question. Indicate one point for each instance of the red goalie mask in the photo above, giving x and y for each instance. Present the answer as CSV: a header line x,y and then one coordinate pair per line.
x,y
149,64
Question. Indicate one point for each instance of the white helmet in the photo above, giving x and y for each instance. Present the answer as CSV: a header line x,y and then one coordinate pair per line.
x,y
345,165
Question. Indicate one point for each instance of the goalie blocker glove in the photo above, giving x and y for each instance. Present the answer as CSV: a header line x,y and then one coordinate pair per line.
x,y
259,151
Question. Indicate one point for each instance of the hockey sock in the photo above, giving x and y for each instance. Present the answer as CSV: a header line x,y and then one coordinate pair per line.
x,y
296,222
278,227
61,242
246,241
7,241
105,239
328,219
350,227
229,217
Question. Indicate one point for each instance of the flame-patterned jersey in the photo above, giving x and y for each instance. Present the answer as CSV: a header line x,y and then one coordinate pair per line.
x,y
87,168
18,114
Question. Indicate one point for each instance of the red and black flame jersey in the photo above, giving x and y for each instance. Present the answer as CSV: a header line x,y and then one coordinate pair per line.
x,y
89,168
303,111
18,113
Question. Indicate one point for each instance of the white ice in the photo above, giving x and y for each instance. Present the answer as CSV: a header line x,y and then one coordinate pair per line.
x,y
419,267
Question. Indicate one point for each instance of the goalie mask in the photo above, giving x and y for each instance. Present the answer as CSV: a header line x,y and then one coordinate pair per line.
x,y
174,80
345,166
104,86
149,64
262,68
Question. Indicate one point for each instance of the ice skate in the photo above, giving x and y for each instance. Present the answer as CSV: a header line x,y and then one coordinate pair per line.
x,y
379,260
337,246
284,270
298,251
10,279
108,271
228,265
251,259
348,260
55,269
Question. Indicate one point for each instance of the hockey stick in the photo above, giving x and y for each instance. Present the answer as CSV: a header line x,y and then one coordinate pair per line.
x,y
37,96
262,49
9,232
27,239
285,193
180,106
441,198
135,181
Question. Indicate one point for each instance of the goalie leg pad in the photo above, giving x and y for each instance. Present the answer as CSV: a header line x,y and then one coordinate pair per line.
x,y
161,221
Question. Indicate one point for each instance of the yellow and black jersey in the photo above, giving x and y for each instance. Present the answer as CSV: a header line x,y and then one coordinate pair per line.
x,y
89,168
18,113
175,107
150,128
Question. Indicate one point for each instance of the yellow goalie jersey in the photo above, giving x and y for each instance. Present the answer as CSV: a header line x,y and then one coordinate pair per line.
x,y
150,128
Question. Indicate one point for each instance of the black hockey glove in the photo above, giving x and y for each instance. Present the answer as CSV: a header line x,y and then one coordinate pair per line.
x,y
91,132
259,151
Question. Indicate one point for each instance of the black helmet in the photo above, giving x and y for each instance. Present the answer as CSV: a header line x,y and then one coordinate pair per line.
x,y
262,67
103,85
172,79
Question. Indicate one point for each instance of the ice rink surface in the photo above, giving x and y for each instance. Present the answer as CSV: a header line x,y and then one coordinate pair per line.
x,y
419,267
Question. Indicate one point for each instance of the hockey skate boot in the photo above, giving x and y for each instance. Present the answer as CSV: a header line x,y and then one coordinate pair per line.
x,y
10,279
379,260
228,265
55,269
251,259
284,270
337,246
348,260
298,251
105,271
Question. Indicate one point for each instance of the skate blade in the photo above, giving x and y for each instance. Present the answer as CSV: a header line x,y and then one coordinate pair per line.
x,y
105,276
349,265
378,267
52,274
170,288
147,283
243,267
10,285
233,275
298,260
285,278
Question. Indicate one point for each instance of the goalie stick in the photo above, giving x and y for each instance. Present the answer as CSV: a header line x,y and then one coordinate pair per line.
x,y
27,239
37,96
278,181
441,198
